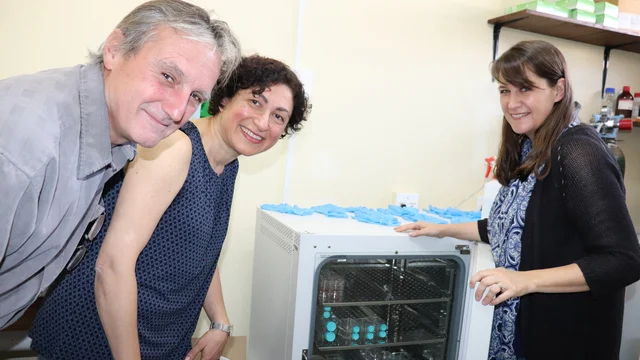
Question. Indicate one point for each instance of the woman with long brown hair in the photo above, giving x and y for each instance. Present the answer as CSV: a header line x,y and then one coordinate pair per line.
x,y
559,229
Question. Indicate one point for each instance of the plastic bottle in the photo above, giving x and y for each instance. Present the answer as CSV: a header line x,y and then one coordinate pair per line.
x,y
338,288
491,189
330,325
625,102
327,321
327,312
609,100
635,111
331,287
330,336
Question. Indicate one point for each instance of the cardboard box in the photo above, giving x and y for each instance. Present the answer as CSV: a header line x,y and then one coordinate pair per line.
x,y
543,7
625,6
583,16
608,21
629,21
628,13
561,11
605,8
583,5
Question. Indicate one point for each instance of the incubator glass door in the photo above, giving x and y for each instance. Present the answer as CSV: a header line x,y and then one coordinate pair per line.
x,y
388,308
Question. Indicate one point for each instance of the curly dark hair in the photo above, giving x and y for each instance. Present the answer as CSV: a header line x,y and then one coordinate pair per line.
x,y
259,73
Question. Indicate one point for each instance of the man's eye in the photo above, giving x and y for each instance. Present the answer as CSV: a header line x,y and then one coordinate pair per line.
x,y
168,77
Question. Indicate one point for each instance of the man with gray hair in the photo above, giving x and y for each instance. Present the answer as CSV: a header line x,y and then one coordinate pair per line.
x,y
65,132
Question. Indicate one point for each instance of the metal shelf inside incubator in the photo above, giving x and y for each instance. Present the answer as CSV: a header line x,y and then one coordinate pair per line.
x,y
383,283
417,337
408,325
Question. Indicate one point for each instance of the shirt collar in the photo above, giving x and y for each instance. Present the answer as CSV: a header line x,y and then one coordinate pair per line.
x,y
96,151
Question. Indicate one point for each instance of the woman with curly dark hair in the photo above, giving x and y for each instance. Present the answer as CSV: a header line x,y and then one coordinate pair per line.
x,y
139,291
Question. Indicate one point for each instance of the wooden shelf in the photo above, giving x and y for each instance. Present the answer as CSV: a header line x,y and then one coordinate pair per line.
x,y
569,29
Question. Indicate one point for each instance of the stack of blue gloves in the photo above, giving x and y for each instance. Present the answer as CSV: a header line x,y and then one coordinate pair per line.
x,y
413,214
287,209
372,216
387,217
331,211
455,216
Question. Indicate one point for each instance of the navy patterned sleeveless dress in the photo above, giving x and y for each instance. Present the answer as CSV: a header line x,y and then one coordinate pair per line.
x,y
173,272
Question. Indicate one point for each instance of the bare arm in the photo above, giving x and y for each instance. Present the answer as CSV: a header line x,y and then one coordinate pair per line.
x,y
212,343
504,284
214,302
152,181
464,231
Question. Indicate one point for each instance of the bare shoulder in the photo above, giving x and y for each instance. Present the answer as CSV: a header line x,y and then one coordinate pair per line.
x,y
170,158
176,147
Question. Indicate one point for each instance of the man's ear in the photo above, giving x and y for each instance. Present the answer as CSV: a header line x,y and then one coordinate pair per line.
x,y
111,49
560,89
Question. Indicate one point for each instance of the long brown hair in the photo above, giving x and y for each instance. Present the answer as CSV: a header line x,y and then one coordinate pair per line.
x,y
547,62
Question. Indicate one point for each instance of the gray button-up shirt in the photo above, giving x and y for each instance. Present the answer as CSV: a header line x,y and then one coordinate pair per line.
x,y
55,156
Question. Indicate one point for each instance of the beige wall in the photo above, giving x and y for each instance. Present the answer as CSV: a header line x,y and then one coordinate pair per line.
x,y
401,90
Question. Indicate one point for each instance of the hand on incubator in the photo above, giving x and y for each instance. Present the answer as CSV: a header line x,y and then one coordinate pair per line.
x,y
421,228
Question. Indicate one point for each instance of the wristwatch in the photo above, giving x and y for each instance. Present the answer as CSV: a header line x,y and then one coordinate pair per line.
x,y
222,327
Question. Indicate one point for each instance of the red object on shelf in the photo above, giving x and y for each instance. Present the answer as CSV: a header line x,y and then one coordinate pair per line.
x,y
491,161
624,105
625,124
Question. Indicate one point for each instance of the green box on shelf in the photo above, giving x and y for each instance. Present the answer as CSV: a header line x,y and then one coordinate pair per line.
x,y
583,16
606,8
540,6
561,11
608,21
508,10
583,5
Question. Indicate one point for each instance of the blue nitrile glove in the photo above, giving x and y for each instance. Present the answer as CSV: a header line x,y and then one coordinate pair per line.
x,y
413,215
407,213
402,211
373,217
287,209
455,216
437,211
453,212
430,219
384,211
330,211
464,219
465,214
395,212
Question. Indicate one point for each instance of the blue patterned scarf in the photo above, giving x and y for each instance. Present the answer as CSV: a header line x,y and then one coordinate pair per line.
x,y
505,226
